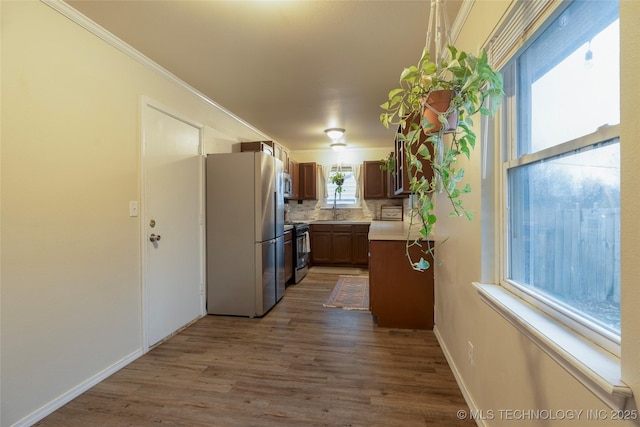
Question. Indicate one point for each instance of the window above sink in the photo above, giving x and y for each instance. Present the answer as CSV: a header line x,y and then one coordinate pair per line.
x,y
349,197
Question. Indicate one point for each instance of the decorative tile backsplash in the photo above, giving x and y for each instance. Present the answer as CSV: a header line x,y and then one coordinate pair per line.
x,y
311,210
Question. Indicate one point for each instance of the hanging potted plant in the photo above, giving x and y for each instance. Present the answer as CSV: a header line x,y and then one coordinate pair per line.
x,y
338,179
438,99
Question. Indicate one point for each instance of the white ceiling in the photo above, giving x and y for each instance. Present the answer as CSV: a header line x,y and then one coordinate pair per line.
x,y
289,68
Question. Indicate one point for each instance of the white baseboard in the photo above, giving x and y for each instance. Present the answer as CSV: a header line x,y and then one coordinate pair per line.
x,y
456,373
67,397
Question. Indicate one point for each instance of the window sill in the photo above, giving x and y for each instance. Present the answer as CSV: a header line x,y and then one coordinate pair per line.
x,y
597,369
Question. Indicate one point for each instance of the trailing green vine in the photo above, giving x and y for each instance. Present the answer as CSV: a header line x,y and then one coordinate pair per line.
x,y
475,88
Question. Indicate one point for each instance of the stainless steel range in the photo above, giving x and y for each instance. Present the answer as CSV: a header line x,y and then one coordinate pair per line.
x,y
301,250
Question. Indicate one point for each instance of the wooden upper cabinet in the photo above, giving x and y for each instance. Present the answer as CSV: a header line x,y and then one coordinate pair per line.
x,y
378,183
375,180
284,156
294,171
391,181
281,152
401,175
266,146
308,184
276,150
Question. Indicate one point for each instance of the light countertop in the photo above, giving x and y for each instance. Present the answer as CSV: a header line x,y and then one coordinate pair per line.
x,y
392,230
340,221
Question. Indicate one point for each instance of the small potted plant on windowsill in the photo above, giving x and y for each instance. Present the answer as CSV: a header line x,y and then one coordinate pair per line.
x,y
438,99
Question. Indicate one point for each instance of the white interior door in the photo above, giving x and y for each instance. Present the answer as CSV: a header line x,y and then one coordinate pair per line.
x,y
173,247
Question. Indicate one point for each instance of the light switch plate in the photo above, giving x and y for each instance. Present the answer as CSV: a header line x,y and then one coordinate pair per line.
x,y
133,208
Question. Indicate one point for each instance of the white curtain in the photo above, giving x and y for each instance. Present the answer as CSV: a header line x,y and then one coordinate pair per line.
x,y
323,177
357,169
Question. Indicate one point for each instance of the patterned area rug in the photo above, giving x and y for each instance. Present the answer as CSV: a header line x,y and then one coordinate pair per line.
x,y
350,293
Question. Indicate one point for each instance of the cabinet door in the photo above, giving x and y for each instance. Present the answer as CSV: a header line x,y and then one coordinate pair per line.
x,y
284,156
308,181
266,146
277,151
375,180
361,245
400,172
391,181
320,247
288,256
402,176
294,171
400,297
281,152
342,247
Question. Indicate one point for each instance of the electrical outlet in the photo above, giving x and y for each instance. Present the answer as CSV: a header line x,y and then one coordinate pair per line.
x,y
470,353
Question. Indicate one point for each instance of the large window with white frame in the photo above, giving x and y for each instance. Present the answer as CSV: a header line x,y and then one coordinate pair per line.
x,y
561,163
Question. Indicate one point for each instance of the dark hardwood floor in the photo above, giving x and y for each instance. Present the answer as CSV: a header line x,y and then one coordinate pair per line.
x,y
300,365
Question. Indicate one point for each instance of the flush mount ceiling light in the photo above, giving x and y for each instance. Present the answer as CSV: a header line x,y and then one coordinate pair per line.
x,y
338,146
334,133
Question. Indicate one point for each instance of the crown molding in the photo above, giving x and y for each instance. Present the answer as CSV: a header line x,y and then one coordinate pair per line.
x,y
461,17
91,26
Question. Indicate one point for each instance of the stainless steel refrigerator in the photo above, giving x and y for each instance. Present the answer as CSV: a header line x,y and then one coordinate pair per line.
x,y
245,233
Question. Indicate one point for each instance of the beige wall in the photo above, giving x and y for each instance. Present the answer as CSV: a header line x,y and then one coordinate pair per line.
x,y
510,372
630,159
71,276
70,263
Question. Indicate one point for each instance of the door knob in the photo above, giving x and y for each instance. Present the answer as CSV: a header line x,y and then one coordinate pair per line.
x,y
154,238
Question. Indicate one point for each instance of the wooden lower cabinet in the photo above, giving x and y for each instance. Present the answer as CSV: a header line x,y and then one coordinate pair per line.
x,y
360,245
340,244
288,255
321,244
399,296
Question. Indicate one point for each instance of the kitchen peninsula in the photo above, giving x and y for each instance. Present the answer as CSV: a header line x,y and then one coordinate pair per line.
x,y
400,297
